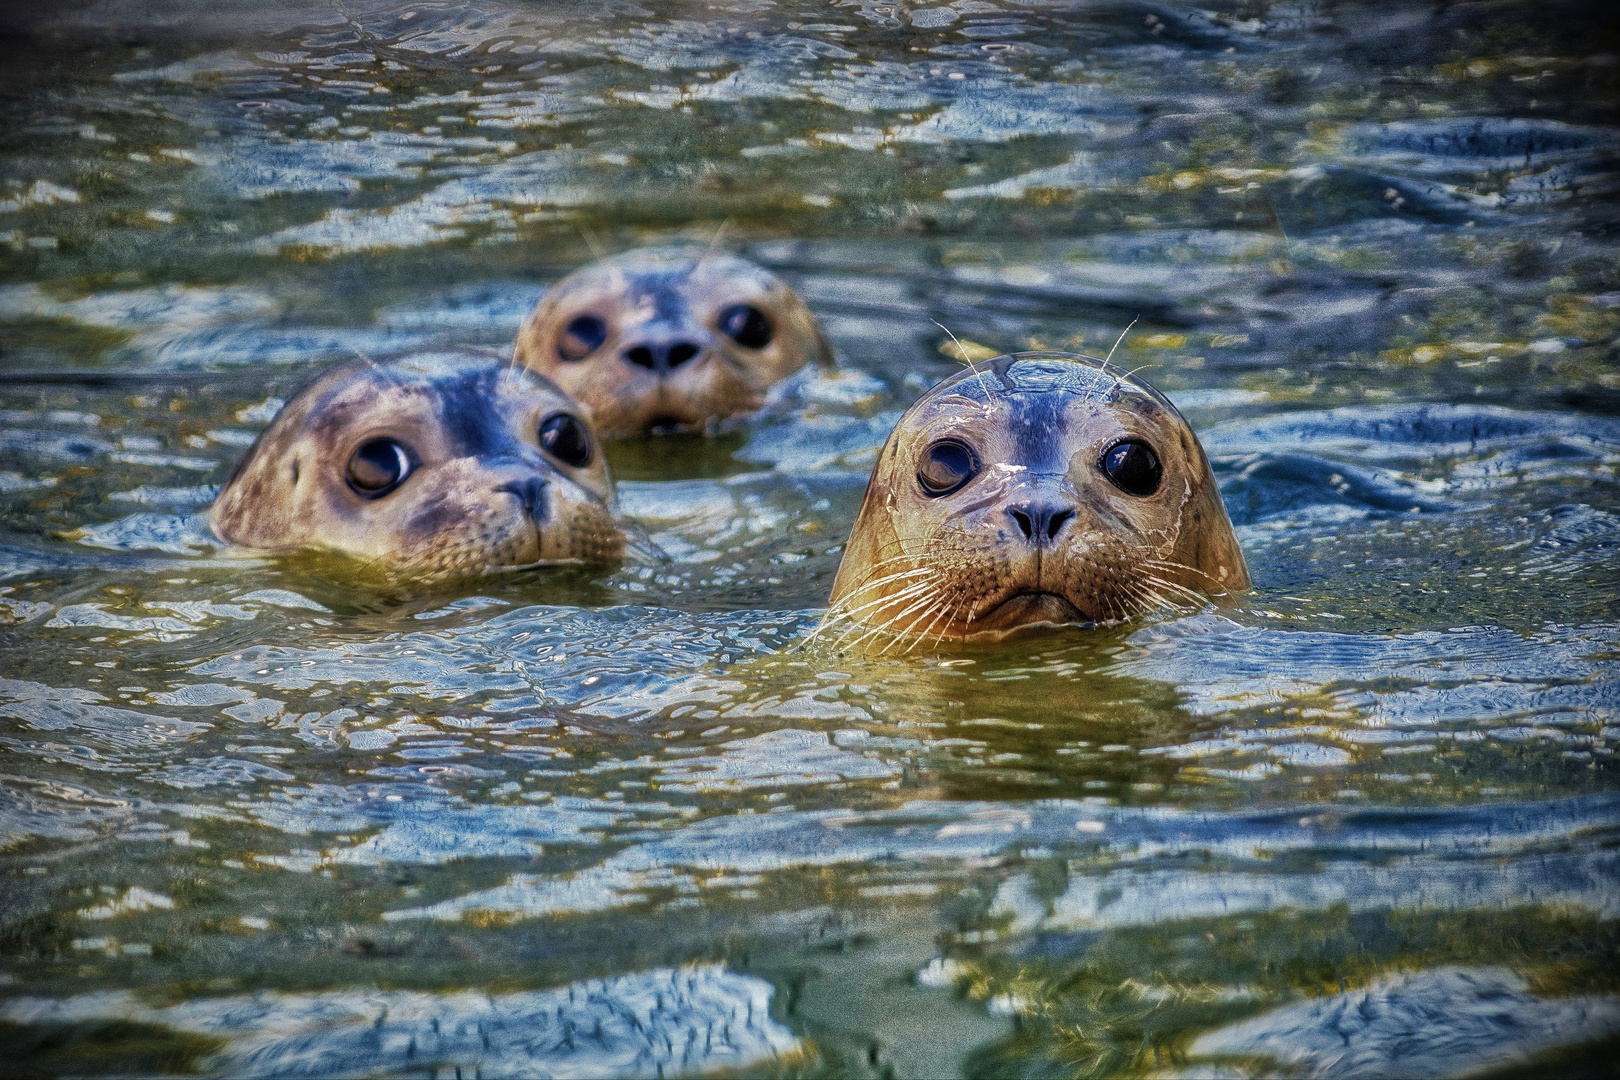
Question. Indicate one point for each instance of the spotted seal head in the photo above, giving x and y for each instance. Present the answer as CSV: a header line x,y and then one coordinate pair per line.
x,y
662,338
1035,488
430,466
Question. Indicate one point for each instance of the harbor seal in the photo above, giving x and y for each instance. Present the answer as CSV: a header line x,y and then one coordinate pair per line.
x,y
664,338
1037,487
434,465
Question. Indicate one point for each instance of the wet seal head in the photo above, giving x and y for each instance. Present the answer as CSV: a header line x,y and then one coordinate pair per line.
x,y
1033,488
431,466
661,338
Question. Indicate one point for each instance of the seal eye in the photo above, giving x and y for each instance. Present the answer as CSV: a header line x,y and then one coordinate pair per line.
x,y
746,325
567,439
377,467
582,336
1133,467
945,467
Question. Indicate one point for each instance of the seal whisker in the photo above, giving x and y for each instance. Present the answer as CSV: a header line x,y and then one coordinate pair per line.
x,y
886,597
893,637
1133,371
963,353
714,243
1192,598
855,635
937,607
884,627
841,614
888,579
940,612
1117,340
948,619
1146,600
1171,564
869,583
589,236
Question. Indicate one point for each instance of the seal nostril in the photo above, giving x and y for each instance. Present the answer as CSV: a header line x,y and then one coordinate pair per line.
x,y
641,356
680,353
1040,523
530,494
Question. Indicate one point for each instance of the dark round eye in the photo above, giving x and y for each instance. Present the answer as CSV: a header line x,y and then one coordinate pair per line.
x,y
945,467
582,336
567,439
378,466
746,325
1133,467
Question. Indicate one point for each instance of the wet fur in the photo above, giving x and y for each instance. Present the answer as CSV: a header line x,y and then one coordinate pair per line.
x,y
484,495
922,568
657,295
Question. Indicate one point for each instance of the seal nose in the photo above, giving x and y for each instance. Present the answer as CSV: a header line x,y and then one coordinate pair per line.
x,y
530,494
1040,522
662,356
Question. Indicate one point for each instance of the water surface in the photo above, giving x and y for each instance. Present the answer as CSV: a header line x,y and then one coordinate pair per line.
x,y
265,817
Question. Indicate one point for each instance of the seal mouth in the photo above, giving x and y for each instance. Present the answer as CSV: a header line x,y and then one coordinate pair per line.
x,y
1026,608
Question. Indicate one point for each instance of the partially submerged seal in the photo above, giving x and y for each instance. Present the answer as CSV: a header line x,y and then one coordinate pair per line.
x,y
430,466
1038,487
669,337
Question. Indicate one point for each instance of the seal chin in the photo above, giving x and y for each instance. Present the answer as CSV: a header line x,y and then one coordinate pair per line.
x,y
663,424
1026,608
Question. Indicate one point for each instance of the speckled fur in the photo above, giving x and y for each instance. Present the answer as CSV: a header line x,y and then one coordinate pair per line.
x,y
955,566
472,421
661,294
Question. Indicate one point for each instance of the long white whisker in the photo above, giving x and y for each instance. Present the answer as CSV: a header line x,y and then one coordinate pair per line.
x,y
924,602
854,625
941,635
896,599
935,611
989,396
940,613
1117,340
887,598
900,575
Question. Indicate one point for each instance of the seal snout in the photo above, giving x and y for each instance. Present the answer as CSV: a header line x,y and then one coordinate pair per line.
x,y
530,493
662,356
1041,521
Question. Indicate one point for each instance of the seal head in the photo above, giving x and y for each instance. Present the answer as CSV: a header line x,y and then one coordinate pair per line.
x,y
1035,488
663,338
430,466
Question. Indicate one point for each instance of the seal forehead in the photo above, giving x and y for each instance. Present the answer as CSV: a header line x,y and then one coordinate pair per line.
x,y
1025,377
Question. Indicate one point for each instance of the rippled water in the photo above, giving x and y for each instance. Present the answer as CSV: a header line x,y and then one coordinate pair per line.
x,y
260,817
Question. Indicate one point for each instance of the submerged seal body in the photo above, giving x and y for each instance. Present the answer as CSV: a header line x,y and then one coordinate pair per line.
x,y
1034,488
669,337
430,466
